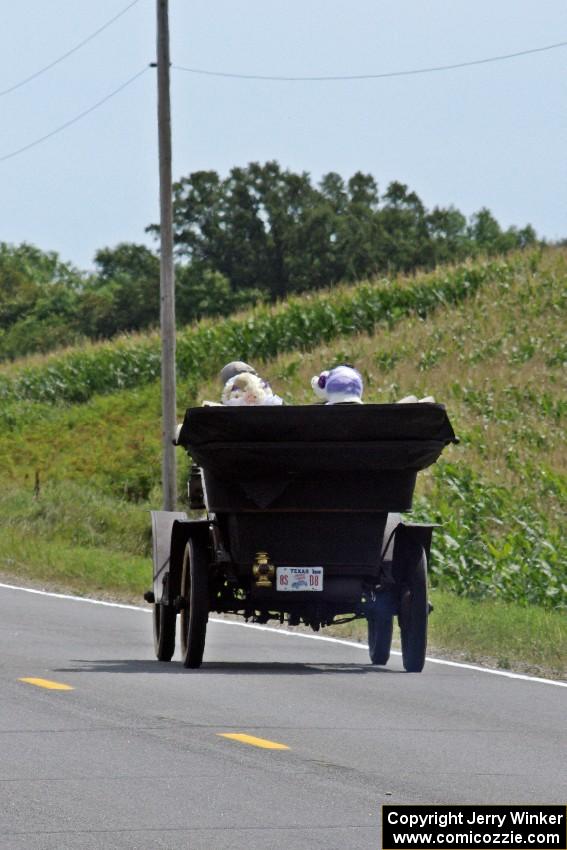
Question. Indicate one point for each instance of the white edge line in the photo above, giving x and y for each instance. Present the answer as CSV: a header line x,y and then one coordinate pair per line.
x,y
74,598
284,633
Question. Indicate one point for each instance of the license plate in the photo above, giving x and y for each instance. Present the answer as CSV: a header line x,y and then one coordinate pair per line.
x,y
299,578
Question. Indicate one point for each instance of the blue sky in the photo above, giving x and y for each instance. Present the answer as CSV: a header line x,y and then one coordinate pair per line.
x,y
490,135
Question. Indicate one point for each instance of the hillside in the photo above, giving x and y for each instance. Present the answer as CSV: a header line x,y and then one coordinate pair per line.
x,y
485,339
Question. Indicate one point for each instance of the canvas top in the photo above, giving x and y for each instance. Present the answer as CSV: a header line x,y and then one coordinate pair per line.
x,y
316,423
258,441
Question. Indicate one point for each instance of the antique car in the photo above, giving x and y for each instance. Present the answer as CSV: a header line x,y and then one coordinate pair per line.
x,y
296,516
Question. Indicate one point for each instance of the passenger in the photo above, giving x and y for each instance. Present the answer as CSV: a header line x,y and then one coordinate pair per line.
x,y
341,385
227,373
248,390
234,368
243,387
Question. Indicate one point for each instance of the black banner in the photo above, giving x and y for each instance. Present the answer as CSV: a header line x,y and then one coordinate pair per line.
x,y
470,826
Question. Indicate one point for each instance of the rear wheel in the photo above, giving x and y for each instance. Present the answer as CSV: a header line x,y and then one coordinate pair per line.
x,y
413,614
164,617
380,637
195,611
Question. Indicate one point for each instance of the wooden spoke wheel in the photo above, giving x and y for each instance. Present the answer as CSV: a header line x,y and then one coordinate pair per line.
x,y
380,627
195,611
164,617
413,614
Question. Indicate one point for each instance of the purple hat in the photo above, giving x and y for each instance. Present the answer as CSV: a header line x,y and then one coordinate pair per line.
x,y
343,384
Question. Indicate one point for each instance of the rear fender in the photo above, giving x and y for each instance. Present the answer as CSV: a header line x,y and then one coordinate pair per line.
x,y
170,533
410,540
181,531
162,524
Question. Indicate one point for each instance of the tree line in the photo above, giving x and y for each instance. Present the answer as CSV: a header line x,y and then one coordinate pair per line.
x,y
257,235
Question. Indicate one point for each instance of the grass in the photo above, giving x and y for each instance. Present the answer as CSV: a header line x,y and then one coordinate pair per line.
x,y
76,515
73,536
111,442
78,480
62,566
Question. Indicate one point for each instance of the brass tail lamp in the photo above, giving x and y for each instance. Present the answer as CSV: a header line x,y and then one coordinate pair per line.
x,y
263,571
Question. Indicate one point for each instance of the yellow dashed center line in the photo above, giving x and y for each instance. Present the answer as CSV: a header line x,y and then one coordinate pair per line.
x,y
254,742
46,683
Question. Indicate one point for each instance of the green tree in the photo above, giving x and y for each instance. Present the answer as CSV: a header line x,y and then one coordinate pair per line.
x,y
266,228
201,292
28,274
448,235
360,238
406,241
485,231
38,300
123,294
242,226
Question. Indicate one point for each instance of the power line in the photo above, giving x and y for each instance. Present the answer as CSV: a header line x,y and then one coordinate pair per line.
x,y
414,71
75,119
258,77
69,52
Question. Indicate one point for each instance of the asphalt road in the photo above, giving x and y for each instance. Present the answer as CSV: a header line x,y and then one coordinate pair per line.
x,y
133,755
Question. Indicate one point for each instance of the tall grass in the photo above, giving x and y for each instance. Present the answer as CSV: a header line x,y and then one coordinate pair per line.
x,y
297,324
492,542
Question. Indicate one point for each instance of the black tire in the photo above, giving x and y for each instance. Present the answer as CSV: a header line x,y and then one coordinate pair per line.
x,y
413,614
164,617
380,627
195,612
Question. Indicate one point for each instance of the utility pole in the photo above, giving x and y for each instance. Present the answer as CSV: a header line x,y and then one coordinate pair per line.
x,y
167,281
